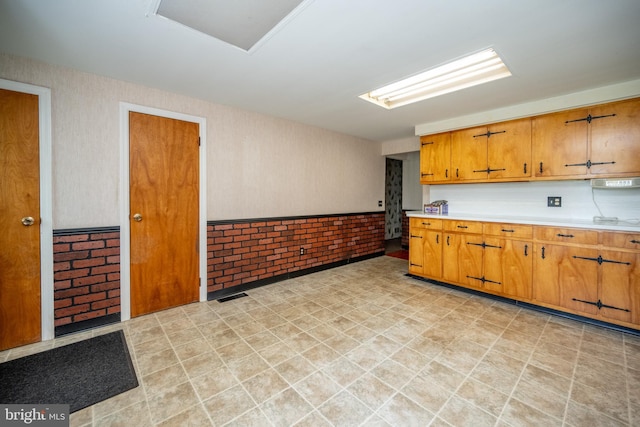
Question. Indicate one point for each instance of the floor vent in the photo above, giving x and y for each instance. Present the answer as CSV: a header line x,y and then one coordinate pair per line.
x,y
225,299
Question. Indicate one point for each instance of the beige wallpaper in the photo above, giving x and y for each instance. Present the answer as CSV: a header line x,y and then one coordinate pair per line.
x,y
257,166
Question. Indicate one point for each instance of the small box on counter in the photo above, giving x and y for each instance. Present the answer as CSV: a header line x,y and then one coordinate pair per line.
x,y
439,207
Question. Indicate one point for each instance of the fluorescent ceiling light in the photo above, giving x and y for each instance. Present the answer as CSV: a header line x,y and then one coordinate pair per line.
x,y
472,70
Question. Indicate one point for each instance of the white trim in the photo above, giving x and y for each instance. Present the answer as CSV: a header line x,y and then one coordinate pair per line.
x,y
125,232
46,202
599,95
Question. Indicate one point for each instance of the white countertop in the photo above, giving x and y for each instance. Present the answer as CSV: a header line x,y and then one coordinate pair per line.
x,y
561,222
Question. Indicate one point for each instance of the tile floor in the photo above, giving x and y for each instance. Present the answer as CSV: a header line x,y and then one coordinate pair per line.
x,y
365,345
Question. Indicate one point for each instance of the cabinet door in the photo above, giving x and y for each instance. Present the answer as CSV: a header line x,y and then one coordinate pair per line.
x,y
614,138
416,250
463,255
509,149
559,142
508,266
620,286
432,260
469,154
435,157
563,279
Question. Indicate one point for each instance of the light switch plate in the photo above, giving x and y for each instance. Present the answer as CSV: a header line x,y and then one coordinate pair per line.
x,y
554,201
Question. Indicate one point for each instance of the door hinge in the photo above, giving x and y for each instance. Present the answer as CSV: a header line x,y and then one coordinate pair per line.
x,y
198,141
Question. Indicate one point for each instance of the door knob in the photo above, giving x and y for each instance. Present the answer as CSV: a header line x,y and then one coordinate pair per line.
x,y
28,220
137,217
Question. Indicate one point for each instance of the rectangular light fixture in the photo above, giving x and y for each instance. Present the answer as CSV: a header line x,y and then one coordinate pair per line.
x,y
472,70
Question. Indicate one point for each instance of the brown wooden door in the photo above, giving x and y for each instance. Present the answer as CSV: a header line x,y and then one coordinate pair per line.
x,y
510,264
433,254
416,250
614,139
469,154
509,149
164,194
20,319
435,157
620,286
560,142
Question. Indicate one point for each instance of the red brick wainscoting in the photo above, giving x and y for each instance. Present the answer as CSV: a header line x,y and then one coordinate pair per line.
x,y
86,277
404,241
246,253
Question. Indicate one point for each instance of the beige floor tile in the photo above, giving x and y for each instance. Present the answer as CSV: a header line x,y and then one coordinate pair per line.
x,y
482,396
247,367
295,369
443,375
160,380
425,393
371,391
171,401
194,416
345,410
517,413
393,373
137,414
277,353
317,388
201,364
265,385
231,404
314,419
286,408
460,412
192,349
402,411
213,382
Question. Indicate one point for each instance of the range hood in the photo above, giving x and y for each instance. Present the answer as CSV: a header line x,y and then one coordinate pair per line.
x,y
615,182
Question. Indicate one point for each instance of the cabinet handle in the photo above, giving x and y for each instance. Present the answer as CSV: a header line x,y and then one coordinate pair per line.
x,y
457,176
462,226
635,242
508,231
426,174
540,167
446,173
419,237
426,223
414,265
526,249
565,235
448,240
599,304
427,143
543,252
438,239
600,260
589,118
525,168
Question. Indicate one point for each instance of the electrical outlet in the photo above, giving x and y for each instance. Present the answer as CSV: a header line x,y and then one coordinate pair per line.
x,y
301,251
554,201
379,203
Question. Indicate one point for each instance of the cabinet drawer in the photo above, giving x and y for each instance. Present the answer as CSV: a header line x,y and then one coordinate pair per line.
x,y
426,223
463,226
566,235
508,230
621,240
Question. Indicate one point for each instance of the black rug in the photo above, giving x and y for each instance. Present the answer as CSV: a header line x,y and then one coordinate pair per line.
x,y
79,374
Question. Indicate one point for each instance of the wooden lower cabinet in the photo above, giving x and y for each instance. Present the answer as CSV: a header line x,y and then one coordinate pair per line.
x,y
510,265
583,274
564,281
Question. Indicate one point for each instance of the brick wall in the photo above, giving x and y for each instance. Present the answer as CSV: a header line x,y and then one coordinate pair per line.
x,y
86,274
245,251
404,241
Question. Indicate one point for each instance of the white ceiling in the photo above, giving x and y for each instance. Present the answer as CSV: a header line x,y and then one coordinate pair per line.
x,y
314,67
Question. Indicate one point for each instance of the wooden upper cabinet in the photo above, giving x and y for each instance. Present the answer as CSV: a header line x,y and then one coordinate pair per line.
x,y
435,158
509,149
469,154
588,142
560,144
615,138
498,151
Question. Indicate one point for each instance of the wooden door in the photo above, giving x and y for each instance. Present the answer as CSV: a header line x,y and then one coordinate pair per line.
x,y
432,265
20,318
620,286
164,195
561,279
416,250
559,143
509,149
469,154
435,157
508,262
614,139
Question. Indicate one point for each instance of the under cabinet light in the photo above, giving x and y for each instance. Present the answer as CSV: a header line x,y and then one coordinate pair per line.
x,y
472,70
